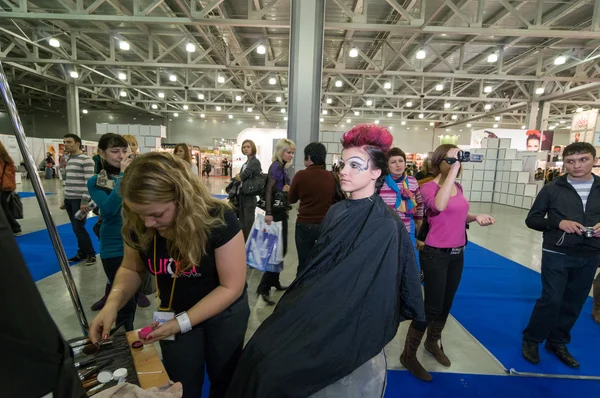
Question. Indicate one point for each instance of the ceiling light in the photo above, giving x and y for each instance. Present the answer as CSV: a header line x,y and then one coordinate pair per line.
x,y
369,102
190,47
173,78
230,116
454,117
421,116
497,118
469,124
321,119
249,109
408,104
220,79
123,94
282,110
154,106
54,43
238,97
201,96
202,115
324,111
539,90
348,120
329,100
122,76
523,127
387,85
218,108
272,81
338,83
356,113
552,127
447,105
85,111
257,117
492,57
161,95
439,87
562,122
176,114
403,122
277,99
561,59
579,109
123,45
353,53
487,107
285,118
390,114
261,49
495,125
185,107
376,121
421,54
487,89
431,124
74,74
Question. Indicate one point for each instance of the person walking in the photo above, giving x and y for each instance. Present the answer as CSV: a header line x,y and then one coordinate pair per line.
x,y
80,168
316,189
247,203
8,183
567,211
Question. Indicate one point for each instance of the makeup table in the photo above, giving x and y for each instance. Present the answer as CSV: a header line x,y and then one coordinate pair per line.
x,y
147,360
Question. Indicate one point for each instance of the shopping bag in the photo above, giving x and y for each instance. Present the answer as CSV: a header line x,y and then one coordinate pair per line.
x,y
261,243
276,256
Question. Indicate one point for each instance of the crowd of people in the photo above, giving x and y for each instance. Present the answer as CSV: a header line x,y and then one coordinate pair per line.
x,y
323,338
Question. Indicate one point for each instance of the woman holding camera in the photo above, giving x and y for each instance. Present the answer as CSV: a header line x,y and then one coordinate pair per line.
x,y
442,257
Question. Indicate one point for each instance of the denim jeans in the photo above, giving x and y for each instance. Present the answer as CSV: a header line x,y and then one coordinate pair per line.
x,y
566,283
83,238
306,237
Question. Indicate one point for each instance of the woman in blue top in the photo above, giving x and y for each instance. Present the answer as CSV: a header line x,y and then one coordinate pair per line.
x,y
104,190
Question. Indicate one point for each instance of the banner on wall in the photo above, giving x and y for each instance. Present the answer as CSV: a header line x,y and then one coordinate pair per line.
x,y
522,140
54,147
584,121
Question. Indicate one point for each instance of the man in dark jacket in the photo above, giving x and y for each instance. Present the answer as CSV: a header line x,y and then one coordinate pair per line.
x,y
567,211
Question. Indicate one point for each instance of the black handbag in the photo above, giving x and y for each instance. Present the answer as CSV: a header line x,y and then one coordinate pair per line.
x,y
14,203
279,202
255,185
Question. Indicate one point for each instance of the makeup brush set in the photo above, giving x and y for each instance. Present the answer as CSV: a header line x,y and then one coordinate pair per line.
x,y
105,363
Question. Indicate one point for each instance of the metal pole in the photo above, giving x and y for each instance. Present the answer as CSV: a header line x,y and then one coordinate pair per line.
x,y
41,197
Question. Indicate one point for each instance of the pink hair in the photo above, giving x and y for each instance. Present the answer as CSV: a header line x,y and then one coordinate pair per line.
x,y
368,135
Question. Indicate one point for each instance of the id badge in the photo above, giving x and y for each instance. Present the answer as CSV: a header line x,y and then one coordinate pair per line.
x,y
163,316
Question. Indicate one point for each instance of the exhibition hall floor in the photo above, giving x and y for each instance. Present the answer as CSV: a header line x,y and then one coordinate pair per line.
x,y
498,290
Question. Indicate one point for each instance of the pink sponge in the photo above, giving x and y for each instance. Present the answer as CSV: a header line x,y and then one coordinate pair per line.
x,y
144,332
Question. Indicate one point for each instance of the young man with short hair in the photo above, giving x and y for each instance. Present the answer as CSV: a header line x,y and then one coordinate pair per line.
x,y
567,211
80,168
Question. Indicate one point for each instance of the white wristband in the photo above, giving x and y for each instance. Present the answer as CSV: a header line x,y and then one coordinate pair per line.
x,y
184,322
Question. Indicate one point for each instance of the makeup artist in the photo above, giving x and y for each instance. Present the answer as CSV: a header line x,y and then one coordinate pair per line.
x,y
193,243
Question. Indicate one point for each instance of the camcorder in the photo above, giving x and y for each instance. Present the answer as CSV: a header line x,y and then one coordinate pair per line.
x,y
466,156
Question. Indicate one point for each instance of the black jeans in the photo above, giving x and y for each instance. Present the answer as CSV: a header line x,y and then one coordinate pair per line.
x,y
442,273
247,208
83,238
306,237
566,283
271,279
217,342
126,315
12,221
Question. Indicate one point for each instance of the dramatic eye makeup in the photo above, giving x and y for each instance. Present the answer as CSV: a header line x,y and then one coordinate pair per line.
x,y
355,163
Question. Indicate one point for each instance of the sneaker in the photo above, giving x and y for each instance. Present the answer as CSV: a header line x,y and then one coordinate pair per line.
x,y
75,259
90,260
142,300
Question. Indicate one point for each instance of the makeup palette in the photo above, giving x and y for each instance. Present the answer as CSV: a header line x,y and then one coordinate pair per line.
x,y
144,332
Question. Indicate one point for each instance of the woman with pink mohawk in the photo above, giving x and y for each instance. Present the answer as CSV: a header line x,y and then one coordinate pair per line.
x,y
327,334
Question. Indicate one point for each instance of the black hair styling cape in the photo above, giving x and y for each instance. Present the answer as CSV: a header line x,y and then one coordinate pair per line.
x,y
360,283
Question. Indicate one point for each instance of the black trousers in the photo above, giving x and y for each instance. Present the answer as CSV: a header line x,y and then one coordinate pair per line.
x,y
271,279
217,342
442,273
83,238
126,315
12,221
306,237
247,208
566,283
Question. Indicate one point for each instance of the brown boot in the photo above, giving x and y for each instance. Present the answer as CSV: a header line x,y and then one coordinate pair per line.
x,y
408,359
434,335
596,310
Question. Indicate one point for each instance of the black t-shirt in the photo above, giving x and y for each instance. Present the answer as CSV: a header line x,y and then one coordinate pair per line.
x,y
197,282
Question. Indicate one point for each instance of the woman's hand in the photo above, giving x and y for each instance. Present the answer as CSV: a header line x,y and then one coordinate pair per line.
x,y
238,178
420,245
268,219
169,328
453,154
285,188
126,160
484,220
102,323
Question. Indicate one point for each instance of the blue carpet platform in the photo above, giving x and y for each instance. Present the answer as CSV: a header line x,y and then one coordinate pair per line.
x,y
24,195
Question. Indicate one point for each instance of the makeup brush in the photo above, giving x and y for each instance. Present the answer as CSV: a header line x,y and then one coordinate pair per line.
x,y
94,369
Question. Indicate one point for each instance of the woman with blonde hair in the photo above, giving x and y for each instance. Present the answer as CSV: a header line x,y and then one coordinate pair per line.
x,y
193,244
278,181
133,143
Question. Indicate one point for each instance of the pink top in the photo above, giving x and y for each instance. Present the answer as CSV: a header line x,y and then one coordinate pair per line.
x,y
389,197
447,228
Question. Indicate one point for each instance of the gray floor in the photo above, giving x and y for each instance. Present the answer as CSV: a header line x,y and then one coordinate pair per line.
x,y
509,238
